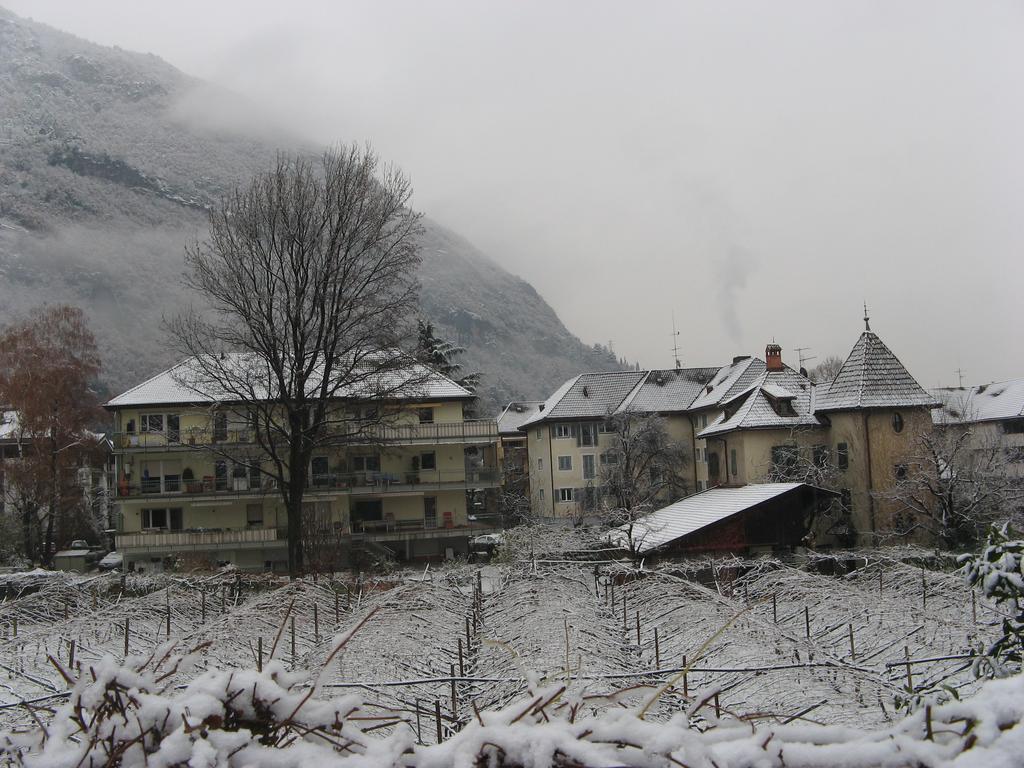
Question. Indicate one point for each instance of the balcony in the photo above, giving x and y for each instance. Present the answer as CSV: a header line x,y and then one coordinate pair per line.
x,y
355,483
179,540
482,431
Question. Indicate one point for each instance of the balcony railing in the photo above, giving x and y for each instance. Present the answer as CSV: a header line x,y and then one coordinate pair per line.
x,y
198,538
474,431
347,482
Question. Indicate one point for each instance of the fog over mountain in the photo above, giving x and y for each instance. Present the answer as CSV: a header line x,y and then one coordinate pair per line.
x,y
107,159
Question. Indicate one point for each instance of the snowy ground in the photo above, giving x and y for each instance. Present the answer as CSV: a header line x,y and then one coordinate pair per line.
x,y
743,630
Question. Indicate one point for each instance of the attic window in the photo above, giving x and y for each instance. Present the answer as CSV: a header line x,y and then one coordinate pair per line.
x,y
897,422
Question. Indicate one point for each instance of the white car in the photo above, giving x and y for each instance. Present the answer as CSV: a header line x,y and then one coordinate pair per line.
x,y
487,542
111,561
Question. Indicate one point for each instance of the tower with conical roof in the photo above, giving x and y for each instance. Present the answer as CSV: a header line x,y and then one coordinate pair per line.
x,y
875,410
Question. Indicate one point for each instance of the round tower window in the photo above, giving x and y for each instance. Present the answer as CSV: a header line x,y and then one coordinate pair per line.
x,y
897,422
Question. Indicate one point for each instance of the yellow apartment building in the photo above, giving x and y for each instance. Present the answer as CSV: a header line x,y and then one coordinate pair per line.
x,y
191,487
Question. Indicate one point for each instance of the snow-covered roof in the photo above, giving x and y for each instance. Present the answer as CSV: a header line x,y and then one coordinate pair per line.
x,y
730,381
665,391
184,383
873,377
988,402
588,396
515,414
694,513
765,405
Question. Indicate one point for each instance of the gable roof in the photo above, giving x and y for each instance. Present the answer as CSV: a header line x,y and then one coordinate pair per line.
x,y
665,391
988,402
515,414
588,396
694,513
873,377
730,381
181,384
758,409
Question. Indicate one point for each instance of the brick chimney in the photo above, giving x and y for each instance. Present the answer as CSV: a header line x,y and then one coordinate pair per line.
x,y
773,357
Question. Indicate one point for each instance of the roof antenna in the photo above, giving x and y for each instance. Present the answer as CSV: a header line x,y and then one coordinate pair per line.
x,y
867,324
675,342
804,358
960,375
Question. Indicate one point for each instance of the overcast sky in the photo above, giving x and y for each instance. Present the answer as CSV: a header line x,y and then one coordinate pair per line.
x,y
757,168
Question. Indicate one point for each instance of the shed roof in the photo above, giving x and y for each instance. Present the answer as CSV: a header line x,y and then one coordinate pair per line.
x,y
873,377
695,512
515,415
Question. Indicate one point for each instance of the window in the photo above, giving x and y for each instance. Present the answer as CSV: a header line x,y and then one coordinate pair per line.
x,y
426,415
704,420
784,457
152,422
173,427
1013,427
565,494
700,486
609,458
589,473
161,519
843,456
901,472
538,433
254,515
319,470
366,463
897,422
587,435
220,474
605,427
540,464
428,460
430,512
254,474
564,430
564,463
541,492
220,427
822,453
732,462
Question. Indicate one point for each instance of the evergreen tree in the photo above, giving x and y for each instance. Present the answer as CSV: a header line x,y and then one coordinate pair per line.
x,y
440,354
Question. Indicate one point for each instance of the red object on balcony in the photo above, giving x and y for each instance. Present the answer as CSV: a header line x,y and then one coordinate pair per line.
x,y
449,521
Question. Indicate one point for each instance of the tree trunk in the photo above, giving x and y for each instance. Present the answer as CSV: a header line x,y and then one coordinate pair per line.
x,y
54,501
298,462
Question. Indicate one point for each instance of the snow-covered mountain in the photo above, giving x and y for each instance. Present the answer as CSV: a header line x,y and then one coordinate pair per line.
x,y
107,159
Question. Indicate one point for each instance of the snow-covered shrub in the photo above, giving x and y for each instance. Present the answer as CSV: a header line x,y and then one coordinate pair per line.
x,y
999,571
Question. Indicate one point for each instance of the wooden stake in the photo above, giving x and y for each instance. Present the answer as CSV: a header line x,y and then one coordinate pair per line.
x,y
879,582
480,584
202,606
928,734
638,627
625,626
467,634
337,614
746,597
462,667
66,609
437,718
853,653
910,680
775,609
718,708
71,654
686,682
657,650
223,599
455,700
127,630
259,654
15,622
807,622
292,622
419,733
316,624
924,590
168,620
974,607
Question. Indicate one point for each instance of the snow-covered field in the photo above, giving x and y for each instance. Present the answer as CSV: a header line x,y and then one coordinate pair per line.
x,y
427,651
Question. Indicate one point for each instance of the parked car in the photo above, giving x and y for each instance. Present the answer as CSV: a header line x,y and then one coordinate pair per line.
x,y
486,543
111,561
95,553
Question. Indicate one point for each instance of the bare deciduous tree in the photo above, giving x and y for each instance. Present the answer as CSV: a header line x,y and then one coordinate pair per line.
x,y
953,488
310,273
825,371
